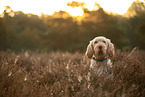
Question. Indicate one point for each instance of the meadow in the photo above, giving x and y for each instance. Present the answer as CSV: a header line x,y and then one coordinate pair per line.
x,y
60,69
64,74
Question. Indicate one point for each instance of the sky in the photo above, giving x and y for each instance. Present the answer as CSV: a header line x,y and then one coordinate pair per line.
x,y
51,6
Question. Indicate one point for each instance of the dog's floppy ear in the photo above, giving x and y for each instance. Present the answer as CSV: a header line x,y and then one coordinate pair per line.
x,y
110,49
89,51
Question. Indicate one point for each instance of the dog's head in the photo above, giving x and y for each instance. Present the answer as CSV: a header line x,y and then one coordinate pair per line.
x,y
100,47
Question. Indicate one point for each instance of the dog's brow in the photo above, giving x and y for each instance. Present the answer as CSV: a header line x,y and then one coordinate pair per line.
x,y
99,40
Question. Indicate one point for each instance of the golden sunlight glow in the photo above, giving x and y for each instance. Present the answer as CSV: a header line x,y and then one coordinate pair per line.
x,y
117,6
76,11
51,6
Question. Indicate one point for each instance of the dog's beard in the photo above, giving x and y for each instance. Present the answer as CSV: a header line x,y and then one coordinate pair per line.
x,y
100,54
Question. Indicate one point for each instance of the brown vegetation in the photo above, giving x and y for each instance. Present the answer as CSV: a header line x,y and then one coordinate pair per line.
x,y
58,74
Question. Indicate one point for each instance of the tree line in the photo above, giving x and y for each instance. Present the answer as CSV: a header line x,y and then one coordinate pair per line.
x,y
60,31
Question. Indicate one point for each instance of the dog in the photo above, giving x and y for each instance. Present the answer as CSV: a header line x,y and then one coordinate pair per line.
x,y
99,51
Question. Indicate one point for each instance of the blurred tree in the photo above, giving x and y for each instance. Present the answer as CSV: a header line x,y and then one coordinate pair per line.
x,y
61,32
137,8
101,23
19,24
138,24
3,34
61,14
8,11
76,4
28,39
94,23
21,21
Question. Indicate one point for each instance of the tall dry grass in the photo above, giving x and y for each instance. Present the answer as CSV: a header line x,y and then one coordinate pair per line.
x,y
58,74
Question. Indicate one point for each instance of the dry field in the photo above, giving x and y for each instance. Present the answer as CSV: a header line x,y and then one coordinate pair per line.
x,y
57,74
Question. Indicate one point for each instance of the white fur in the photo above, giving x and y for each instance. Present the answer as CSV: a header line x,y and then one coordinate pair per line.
x,y
93,48
100,48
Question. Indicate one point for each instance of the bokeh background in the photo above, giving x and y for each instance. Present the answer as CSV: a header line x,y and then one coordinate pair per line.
x,y
42,45
69,27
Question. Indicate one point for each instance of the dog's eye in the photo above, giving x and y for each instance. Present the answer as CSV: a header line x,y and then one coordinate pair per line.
x,y
104,41
96,42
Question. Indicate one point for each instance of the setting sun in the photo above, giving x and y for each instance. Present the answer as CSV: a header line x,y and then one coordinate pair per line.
x,y
77,11
49,7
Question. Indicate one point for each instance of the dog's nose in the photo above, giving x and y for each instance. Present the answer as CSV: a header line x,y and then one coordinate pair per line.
x,y
100,47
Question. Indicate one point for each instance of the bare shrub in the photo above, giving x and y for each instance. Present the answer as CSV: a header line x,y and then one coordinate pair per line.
x,y
58,74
